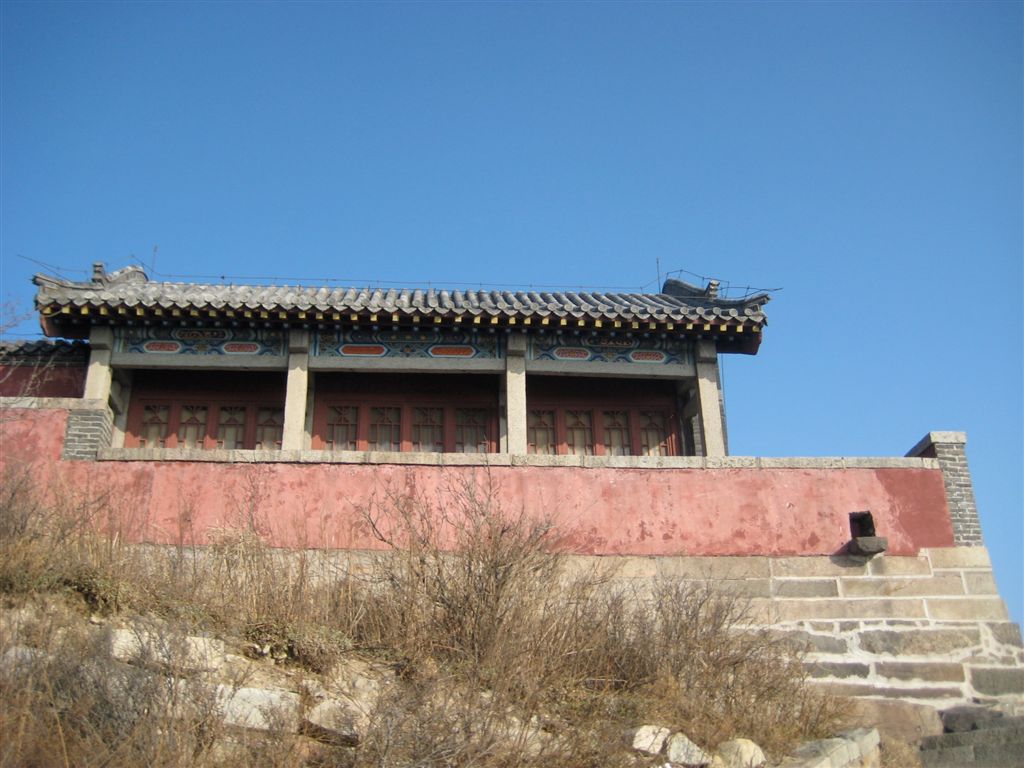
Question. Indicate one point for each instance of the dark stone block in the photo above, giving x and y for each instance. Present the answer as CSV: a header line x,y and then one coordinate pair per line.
x,y
968,718
868,546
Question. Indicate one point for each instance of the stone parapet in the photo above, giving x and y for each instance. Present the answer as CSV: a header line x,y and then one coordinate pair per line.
x,y
510,460
948,448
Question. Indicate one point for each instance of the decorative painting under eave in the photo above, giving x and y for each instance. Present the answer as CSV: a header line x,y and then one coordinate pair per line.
x,y
459,345
200,341
612,350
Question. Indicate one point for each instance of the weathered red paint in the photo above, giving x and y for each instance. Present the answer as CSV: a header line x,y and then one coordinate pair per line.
x,y
597,511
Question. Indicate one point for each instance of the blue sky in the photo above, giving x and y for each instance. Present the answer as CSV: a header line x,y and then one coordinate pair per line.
x,y
867,158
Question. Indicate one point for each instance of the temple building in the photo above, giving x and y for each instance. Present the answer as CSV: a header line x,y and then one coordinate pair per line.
x,y
344,370
190,409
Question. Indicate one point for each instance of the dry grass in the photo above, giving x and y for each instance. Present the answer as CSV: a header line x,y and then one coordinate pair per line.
x,y
503,657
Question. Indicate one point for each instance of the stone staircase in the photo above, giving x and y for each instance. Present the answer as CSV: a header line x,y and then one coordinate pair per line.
x,y
975,736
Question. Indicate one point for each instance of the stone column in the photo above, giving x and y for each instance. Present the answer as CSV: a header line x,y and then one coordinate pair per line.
x,y
98,375
295,397
708,394
515,393
948,448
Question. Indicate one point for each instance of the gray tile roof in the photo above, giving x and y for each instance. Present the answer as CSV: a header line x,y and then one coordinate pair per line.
x,y
38,349
130,287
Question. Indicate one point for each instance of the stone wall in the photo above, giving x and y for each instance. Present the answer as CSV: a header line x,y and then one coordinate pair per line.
x,y
929,628
921,623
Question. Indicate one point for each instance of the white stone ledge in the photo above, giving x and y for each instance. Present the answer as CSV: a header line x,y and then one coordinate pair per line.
x,y
50,403
501,459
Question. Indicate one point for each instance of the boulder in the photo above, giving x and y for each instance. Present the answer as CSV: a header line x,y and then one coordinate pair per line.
x,y
741,753
681,751
649,739
261,709
183,654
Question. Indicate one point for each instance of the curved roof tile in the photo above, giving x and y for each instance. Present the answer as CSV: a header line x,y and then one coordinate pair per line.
x,y
678,301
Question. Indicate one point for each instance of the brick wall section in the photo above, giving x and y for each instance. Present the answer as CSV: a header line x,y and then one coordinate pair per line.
x,y
88,430
949,449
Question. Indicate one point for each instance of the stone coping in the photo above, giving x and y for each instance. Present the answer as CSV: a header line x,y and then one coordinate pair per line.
x,y
66,403
933,438
507,460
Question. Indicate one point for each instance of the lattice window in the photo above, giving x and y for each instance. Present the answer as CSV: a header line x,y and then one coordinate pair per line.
x,y
385,429
192,426
155,421
471,427
342,426
269,428
615,425
540,432
579,433
231,426
428,430
654,433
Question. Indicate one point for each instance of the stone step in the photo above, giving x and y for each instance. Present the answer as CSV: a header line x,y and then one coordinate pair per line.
x,y
995,747
994,735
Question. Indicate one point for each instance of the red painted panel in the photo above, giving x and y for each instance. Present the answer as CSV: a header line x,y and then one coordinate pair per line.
x,y
597,511
47,381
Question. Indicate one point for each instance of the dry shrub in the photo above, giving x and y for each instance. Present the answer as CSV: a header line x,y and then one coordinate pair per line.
x,y
68,704
505,655
482,592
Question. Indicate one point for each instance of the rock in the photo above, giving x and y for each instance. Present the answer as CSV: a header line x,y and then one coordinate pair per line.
x,y
649,739
19,657
682,751
183,654
741,753
331,722
260,709
968,718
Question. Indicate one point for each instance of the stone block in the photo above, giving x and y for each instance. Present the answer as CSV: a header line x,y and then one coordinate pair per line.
x,y
969,718
866,739
1009,753
841,669
754,567
998,681
980,583
796,610
900,566
951,757
923,642
900,720
927,671
854,689
958,557
814,643
805,588
742,587
1007,633
966,609
635,567
844,688
818,565
939,584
